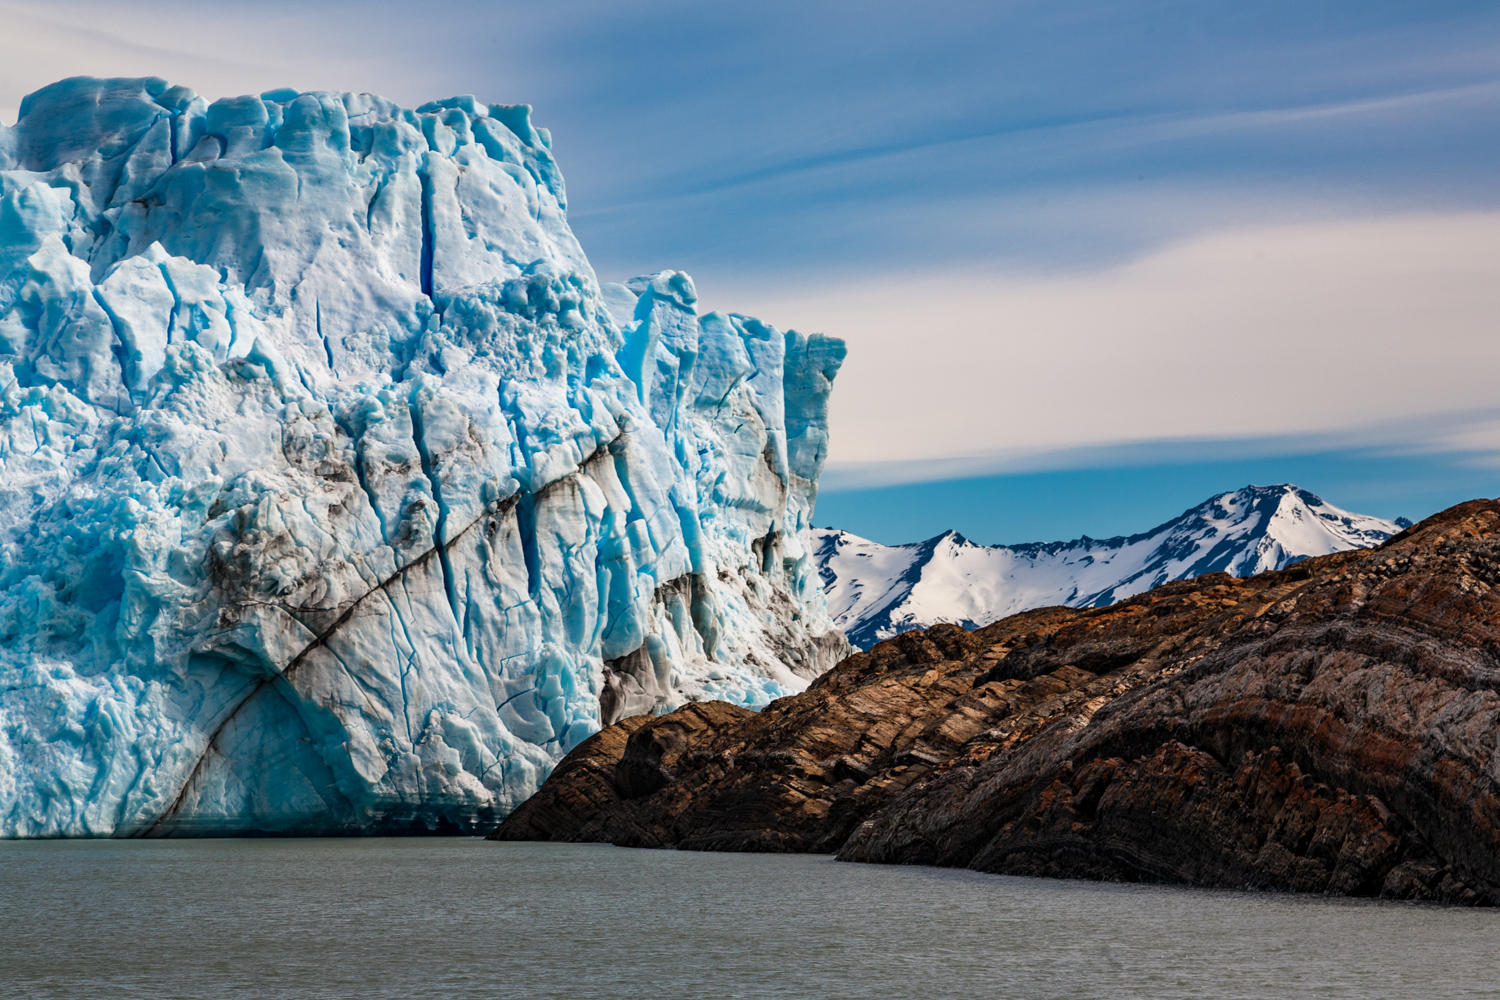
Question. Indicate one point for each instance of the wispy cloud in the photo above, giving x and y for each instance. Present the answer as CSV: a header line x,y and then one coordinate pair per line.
x,y
1486,91
1137,128
31,26
793,138
1463,437
1253,332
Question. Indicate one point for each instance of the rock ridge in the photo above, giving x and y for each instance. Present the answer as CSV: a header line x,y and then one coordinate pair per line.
x,y
1332,727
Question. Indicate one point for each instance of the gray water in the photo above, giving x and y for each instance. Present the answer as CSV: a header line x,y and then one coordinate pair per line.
x,y
419,918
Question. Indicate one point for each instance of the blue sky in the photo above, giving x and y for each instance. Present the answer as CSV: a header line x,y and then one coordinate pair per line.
x,y
1104,500
1075,248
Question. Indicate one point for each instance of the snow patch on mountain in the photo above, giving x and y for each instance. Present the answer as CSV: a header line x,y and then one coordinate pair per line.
x,y
875,591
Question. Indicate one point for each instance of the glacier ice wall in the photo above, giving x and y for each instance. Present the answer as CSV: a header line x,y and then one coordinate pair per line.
x,y
337,495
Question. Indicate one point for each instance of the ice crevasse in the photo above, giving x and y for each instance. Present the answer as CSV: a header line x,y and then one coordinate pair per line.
x,y
337,495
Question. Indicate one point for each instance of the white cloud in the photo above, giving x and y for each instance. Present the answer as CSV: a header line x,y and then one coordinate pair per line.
x,y
1467,437
222,51
37,47
1283,330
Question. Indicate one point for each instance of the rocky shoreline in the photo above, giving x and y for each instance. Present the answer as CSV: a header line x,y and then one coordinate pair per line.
x,y
1331,727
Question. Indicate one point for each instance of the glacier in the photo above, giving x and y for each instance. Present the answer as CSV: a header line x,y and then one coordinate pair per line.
x,y
338,495
876,591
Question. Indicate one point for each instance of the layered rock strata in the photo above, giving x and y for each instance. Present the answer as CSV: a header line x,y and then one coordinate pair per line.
x,y
1332,727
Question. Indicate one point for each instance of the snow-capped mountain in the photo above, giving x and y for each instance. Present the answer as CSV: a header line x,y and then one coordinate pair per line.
x,y
875,591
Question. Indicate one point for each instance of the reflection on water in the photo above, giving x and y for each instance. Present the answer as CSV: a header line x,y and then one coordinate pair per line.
x,y
466,918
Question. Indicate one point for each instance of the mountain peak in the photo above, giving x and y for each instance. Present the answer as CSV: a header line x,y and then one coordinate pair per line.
x,y
875,591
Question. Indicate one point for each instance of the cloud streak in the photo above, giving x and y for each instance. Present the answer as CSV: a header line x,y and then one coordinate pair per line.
x,y
1046,230
1462,438
1256,332
1137,128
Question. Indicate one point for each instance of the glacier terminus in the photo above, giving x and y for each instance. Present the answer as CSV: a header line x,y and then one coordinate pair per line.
x,y
337,495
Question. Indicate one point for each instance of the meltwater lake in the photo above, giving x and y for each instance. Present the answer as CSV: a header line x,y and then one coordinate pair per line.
x,y
439,917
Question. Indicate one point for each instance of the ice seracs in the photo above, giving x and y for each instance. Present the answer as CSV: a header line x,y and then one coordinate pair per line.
x,y
875,591
337,495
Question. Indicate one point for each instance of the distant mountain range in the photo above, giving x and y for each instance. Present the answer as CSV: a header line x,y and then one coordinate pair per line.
x,y
875,591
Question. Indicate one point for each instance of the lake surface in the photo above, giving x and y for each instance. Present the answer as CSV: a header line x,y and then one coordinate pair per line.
x,y
416,918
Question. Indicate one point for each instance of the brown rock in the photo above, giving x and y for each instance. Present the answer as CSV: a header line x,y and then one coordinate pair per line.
x,y
1331,727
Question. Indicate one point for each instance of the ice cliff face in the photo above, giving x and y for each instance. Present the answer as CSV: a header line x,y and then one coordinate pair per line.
x,y
876,591
336,494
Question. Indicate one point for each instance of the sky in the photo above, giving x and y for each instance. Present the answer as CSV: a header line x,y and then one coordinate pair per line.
x,y
1094,261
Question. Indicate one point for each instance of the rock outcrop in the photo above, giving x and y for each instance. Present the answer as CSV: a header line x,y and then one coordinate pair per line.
x,y
1331,727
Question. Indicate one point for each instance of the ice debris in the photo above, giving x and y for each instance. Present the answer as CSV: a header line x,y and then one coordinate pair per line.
x,y
337,495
